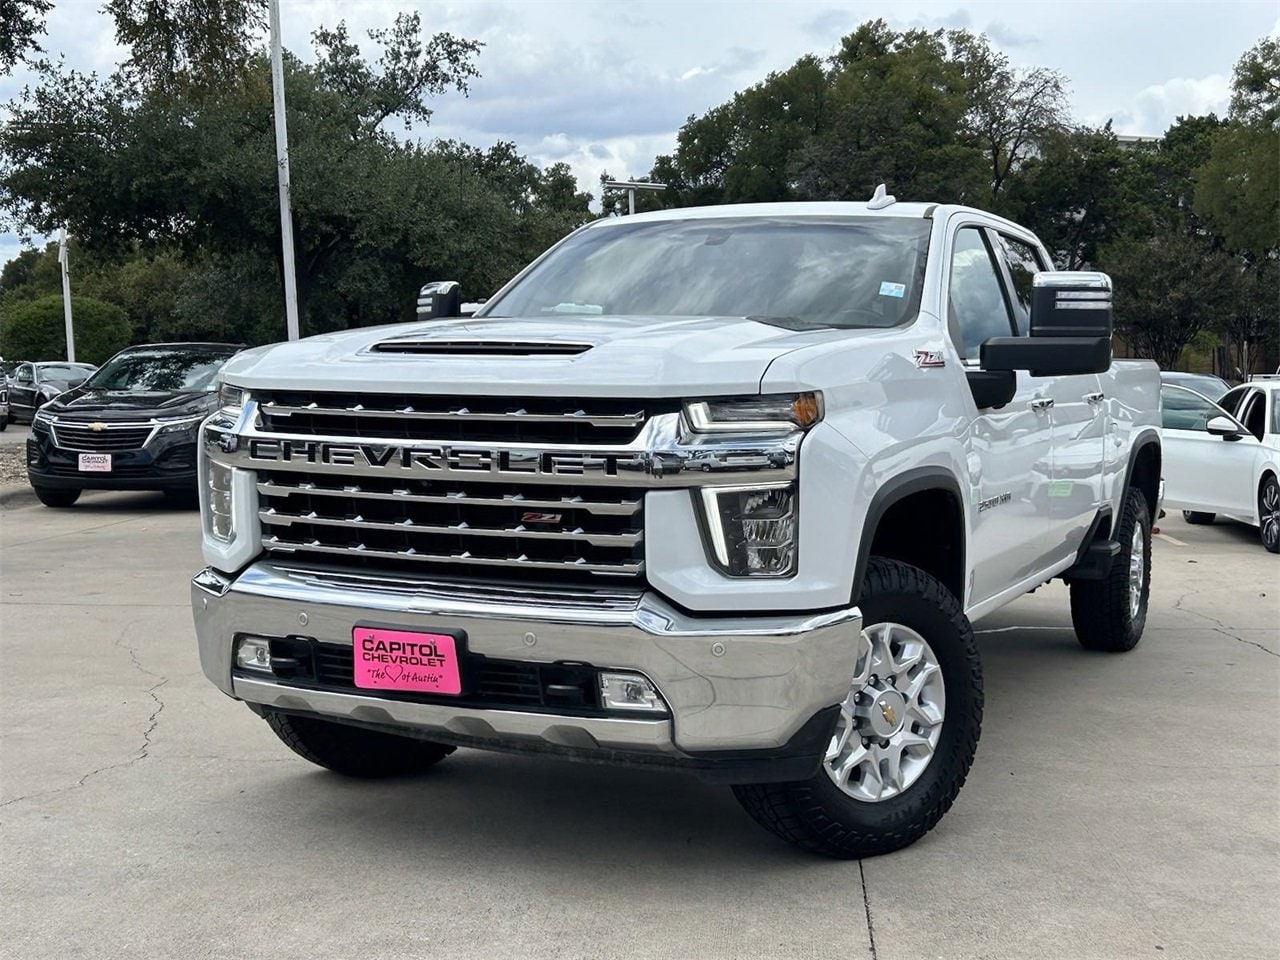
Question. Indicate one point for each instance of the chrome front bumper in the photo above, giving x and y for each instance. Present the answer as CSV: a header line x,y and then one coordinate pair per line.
x,y
735,685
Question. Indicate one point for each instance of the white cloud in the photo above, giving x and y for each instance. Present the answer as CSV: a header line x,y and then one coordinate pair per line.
x,y
1155,108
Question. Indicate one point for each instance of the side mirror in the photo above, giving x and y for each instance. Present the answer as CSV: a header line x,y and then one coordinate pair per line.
x,y
1070,328
440,299
1224,427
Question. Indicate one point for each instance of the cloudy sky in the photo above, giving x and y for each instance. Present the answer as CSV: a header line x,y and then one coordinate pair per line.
x,y
605,85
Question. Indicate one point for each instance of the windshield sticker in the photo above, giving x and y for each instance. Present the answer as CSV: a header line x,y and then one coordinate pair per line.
x,y
888,289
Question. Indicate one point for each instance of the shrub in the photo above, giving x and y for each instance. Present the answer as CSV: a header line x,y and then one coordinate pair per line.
x,y
34,330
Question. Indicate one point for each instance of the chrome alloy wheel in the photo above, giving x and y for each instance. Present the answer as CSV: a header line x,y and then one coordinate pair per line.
x,y
890,722
1137,571
1269,514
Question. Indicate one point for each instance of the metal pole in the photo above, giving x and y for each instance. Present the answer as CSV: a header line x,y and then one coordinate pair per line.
x,y
282,169
631,201
66,295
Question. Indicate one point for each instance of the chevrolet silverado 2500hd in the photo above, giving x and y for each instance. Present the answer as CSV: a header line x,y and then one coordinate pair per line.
x,y
710,489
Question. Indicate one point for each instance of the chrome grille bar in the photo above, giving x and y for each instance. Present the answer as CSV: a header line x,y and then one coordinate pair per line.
x,y
274,409
274,517
623,568
460,498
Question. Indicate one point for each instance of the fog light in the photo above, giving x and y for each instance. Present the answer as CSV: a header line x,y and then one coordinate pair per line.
x,y
254,653
629,691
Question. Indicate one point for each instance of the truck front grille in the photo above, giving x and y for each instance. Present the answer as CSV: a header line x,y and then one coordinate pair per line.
x,y
476,528
446,419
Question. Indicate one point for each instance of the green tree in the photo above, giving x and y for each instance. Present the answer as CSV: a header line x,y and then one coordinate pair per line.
x,y
35,330
21,21
192,44
1238,193
1168,288
140,169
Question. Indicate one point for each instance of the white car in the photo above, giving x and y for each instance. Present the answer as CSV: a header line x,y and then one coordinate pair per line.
x,y
1224,458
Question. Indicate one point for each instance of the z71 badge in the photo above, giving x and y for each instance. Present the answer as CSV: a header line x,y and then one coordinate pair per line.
x,y
930,358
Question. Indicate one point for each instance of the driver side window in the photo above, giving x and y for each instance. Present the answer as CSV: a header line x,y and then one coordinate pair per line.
x,y
976,307
23,374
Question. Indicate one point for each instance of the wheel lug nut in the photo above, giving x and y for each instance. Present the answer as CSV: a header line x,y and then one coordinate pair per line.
x,y
866,742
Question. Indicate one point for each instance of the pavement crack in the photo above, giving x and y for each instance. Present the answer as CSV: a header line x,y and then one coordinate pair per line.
x,y
141,753
866,906
1252,643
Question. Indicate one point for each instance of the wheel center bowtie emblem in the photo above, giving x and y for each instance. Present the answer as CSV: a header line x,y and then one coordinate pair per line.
x,y
887,710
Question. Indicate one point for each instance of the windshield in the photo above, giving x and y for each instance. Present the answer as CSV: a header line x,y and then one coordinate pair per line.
x,y
161,371
63,371
833,272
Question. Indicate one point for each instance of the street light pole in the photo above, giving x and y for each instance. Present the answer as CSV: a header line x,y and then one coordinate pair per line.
x,y
63,257
282,170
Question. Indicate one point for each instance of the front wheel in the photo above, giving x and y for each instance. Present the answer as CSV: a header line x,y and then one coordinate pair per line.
x,y
354,751
4,424
56,498
1109,614
906,734
1269,513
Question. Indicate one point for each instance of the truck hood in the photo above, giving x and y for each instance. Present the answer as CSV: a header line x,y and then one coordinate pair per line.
x,y
619,356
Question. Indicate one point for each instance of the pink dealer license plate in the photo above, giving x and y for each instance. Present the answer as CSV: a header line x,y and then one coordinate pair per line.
x,y
400,660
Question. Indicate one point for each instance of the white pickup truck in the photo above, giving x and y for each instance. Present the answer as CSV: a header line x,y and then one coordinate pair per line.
x,y
714,489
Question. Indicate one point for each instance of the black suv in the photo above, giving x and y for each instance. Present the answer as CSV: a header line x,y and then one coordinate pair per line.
x,y
131,426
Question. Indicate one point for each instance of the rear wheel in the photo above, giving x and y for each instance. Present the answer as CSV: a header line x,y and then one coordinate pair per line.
x,y
355,751
56,498
1109,614
1196,517
1269,513
906,734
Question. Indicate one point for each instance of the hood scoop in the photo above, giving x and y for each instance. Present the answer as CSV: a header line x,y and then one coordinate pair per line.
x,y
432,347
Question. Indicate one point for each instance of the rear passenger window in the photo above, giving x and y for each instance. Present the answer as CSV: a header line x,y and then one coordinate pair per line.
x,y
976,308
1024,263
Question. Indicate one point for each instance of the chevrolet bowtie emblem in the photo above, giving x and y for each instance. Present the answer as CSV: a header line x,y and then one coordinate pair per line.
x,y
889,716
97,427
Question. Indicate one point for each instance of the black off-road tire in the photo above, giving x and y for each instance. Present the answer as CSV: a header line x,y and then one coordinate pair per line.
x,y
353,751
816,814
1196,517
56,498
1268,523
1101,611
183,499
4,424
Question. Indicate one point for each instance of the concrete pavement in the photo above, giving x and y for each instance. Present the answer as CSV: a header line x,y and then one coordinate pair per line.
x,y
1121,806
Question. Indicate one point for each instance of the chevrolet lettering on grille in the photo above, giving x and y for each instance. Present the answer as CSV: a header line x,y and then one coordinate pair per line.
x,y
430,458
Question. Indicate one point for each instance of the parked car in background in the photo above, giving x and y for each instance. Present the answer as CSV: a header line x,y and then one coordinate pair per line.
x,y
1224,458
4,404
35,384
1205,384
131,426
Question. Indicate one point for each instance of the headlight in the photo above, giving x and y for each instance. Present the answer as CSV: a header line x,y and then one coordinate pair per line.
x,y
42,418
221,521
753,530
181,426
780,413
231,399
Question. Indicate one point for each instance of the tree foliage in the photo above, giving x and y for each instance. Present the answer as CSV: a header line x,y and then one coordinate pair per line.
x,y
137,166
21,22
36,329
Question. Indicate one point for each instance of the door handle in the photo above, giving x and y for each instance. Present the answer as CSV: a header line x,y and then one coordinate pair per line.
x,y
1095,397
1041,403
